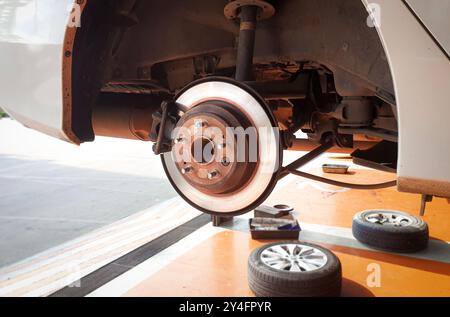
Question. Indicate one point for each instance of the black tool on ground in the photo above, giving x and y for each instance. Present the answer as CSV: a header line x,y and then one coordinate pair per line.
x,y
271,228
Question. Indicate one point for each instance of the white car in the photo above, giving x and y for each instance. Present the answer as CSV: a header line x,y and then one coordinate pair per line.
x,y
370,76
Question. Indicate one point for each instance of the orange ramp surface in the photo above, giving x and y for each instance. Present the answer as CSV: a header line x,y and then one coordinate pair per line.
x,y
218,266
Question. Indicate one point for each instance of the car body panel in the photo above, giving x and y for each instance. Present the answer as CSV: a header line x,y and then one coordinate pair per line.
x,y
435,15
421,73
31,46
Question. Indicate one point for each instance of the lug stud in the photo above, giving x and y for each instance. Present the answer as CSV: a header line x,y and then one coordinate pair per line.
x,y
200,124
213,174
225,161
179,140
186,170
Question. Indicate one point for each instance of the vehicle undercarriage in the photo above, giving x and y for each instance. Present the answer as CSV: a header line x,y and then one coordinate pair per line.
x,y
144,69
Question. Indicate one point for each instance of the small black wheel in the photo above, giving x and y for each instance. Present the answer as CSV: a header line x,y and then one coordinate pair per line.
x,y
391,230
294,269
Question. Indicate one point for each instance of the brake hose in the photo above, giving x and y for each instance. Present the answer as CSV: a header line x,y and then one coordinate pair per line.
x,y
342,184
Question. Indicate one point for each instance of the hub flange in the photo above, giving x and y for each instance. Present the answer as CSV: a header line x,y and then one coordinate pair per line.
x,y
207,150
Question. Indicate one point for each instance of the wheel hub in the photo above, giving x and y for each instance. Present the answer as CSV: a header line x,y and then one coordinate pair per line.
x,y
207,152
389,218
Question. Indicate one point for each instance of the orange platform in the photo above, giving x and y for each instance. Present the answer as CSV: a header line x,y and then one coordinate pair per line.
x,y
218,265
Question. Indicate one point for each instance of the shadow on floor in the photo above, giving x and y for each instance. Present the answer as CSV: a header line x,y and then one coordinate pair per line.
x,y
43,204
353,289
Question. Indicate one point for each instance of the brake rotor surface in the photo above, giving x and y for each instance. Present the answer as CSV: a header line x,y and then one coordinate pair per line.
x,y
226,152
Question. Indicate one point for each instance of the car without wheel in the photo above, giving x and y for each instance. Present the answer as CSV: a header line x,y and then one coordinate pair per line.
x,y
222,88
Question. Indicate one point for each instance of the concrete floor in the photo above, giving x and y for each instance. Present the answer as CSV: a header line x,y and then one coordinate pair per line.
x,y
52,192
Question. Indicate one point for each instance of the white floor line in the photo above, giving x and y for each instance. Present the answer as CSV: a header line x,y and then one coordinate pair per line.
x,y
91,239
44,219
136,234
438,251
133,277
88,259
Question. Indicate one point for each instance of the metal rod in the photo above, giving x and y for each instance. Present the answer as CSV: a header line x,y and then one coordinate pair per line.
x,y
306,159
423,205
342,184
246,46
307,145
293,169
378,133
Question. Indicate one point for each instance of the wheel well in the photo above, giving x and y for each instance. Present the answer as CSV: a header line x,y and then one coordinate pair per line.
x,y
164,45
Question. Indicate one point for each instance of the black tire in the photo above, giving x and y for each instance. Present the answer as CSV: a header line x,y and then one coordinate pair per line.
x,y
402,239
266,281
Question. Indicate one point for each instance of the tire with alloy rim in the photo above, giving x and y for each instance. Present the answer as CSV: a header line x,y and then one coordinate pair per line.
x,y
391,230
206,166
294,269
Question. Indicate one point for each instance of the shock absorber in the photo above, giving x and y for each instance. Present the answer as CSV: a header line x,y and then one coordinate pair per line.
x,y
248,12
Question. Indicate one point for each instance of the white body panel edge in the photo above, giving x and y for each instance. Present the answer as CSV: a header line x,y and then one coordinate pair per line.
x,y
421,73
31,50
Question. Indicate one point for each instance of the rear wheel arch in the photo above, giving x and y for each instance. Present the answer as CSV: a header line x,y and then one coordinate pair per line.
x,y
332,33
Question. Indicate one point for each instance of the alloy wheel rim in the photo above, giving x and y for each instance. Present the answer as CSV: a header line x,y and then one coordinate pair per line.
x,y
294,258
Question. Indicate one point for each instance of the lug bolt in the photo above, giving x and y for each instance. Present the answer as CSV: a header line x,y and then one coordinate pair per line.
x,y
200,124
179,140
213,174
225,161
186,170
